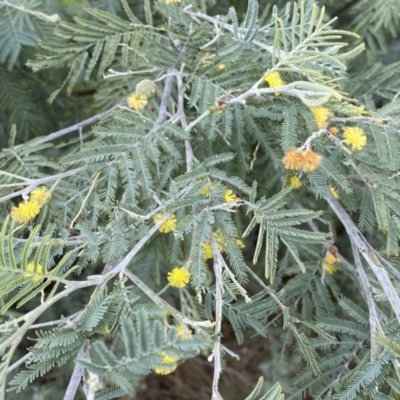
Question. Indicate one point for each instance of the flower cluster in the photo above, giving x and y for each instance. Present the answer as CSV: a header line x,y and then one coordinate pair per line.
x,y
329,263
354,137
35,271
305,160
168,365
321,116
136,101
179,277
30,209
168,225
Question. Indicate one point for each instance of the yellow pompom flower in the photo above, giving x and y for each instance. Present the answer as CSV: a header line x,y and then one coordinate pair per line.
x,y
35,272
136,101
229,196
179,277
26,211
207,251
172,1
329,269
274,80
169,225
222,67
321,115
329,263
334,192
355,137
170,367
294,181
40,195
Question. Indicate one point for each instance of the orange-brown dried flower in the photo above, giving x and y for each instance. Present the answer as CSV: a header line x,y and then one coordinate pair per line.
x,y
311,161
293,159
333,130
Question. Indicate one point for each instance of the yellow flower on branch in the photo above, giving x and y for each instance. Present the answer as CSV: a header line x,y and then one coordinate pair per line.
x,y
329,263
321,115
294,181
330,269
136,101
229,196
274,80
26,211
354,137
35,271
179,277
169,225
170,366
172,1
40,195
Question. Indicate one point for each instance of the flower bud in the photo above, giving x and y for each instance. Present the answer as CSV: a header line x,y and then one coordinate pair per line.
x,y
147,88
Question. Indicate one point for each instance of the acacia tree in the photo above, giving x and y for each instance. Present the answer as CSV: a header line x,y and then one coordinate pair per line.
x,y
209,189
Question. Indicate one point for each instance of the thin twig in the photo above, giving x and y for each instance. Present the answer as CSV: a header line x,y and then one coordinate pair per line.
x,y
113,73
62,132
76,378
219,289
41,181
368,253
374,323
182,319
85,200
162,114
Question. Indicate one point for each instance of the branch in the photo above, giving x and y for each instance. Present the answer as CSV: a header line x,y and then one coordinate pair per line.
x,y
368,253
76,378
374,322
62,132
182,115
36,182
182,319
219,289
113,73
162,113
